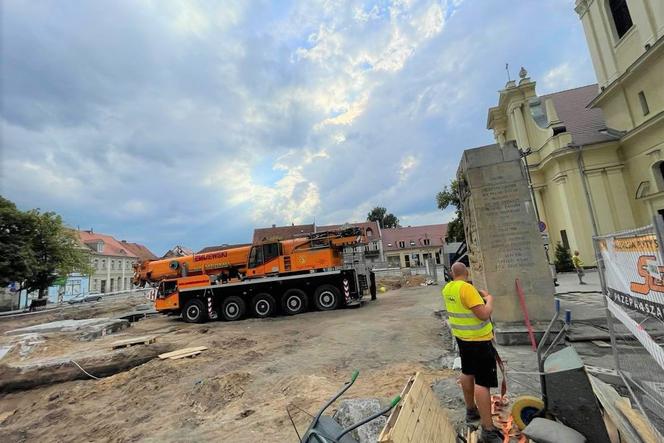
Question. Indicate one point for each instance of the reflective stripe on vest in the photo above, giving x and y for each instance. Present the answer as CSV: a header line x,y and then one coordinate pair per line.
x,y
462,320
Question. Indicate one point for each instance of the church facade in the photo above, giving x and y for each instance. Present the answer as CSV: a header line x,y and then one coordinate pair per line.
x,y
595,154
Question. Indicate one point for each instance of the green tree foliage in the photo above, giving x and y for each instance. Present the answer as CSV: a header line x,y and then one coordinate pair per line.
x,y
384,219
449,196
563,259
16,259
37,249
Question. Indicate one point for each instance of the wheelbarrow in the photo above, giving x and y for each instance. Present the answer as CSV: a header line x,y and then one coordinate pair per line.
x,y
324,429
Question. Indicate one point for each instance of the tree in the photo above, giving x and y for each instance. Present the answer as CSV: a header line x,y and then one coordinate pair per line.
x,y
449,196
563,259
39,249
384,219
16,259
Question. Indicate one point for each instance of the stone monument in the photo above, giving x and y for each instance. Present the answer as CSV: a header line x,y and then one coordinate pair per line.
x,y
503,239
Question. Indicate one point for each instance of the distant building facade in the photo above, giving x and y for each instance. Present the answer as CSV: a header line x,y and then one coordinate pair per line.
x,y
112,261
412,246
373,250
76,284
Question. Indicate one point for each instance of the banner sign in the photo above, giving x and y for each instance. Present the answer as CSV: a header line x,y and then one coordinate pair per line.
x,y
634,273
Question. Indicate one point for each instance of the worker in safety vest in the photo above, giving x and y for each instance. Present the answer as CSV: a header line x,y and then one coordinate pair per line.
x,y
578,267
469,317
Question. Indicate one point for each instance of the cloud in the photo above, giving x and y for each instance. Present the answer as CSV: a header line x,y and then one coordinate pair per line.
x,y
559,78
194,122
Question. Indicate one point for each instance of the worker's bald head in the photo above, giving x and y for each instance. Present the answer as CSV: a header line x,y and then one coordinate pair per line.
x,y
459,270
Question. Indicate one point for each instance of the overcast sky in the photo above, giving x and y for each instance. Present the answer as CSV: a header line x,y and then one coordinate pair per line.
x,y
192,122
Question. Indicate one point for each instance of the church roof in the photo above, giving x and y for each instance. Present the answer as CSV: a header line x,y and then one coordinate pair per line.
x,y
582,122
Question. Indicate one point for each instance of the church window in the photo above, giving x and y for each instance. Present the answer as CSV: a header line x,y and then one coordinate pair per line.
x,y
644,103
622,20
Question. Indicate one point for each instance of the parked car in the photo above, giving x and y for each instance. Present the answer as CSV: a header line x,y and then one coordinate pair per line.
x,y
83,298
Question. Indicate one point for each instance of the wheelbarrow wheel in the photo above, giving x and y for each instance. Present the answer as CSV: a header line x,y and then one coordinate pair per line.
x,y
525,408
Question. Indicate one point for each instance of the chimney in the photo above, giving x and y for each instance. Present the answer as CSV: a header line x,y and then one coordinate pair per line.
x,y
273,225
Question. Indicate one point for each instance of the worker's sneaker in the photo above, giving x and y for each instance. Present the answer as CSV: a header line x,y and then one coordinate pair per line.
x,y
491,436
472,414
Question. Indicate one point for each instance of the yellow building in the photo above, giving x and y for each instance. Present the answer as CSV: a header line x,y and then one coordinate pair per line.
x,y
605,140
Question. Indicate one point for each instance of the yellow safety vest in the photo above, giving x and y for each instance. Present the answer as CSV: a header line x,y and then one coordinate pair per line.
x,y
463,321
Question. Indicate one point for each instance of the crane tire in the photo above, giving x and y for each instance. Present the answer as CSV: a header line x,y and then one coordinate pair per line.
x,y
326,297
294,301
194,311
232,308
263,305
525,408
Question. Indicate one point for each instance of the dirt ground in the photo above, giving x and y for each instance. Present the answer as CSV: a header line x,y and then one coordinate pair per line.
x,y
238,390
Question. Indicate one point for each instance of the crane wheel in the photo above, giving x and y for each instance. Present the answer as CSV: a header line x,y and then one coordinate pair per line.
x,y
525,408
194,311
263,305
294,301
232,308
326,297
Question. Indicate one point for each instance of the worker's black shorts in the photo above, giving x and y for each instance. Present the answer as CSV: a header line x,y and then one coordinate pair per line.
x,y
478,358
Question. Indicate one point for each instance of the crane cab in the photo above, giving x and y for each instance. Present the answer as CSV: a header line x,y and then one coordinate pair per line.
x,y
264,259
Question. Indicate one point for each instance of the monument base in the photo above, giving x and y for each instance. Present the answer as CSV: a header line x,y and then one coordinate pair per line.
x,y
516,334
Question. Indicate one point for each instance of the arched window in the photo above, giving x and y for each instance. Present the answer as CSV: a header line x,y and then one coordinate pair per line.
x,y
622,20
369,232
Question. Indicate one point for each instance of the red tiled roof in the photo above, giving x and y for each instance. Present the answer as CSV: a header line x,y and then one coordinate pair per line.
x,y
142,252
111,245
583,123
281,232
435,233
178,251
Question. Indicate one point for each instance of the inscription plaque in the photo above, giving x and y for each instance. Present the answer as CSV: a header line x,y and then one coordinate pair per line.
x,y
502,234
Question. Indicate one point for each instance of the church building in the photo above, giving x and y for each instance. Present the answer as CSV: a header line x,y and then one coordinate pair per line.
x,y
596,153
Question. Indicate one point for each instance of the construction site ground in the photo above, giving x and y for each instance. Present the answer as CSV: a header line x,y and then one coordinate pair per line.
x,y
239,388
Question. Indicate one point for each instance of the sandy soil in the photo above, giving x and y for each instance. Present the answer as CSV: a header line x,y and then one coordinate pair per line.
x,y
238,390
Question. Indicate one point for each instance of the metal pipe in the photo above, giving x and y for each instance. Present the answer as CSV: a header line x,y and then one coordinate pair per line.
x,y
530,184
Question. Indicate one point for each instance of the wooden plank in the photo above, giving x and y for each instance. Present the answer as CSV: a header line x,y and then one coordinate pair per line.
x,y
420,419
385,434
408,411
182,351
640,424
425,421
607,396
416,418
147,339
189,354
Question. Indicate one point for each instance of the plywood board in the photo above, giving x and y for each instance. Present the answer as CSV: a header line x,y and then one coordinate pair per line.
x,y
182,352
419,418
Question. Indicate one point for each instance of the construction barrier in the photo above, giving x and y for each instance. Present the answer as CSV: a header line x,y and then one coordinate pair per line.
x,y
632,276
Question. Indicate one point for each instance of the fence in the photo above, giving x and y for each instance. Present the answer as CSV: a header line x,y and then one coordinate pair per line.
x,y
435,272
632,275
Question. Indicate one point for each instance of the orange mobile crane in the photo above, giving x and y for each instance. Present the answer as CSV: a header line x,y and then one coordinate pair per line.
x,y
225,263
288,274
